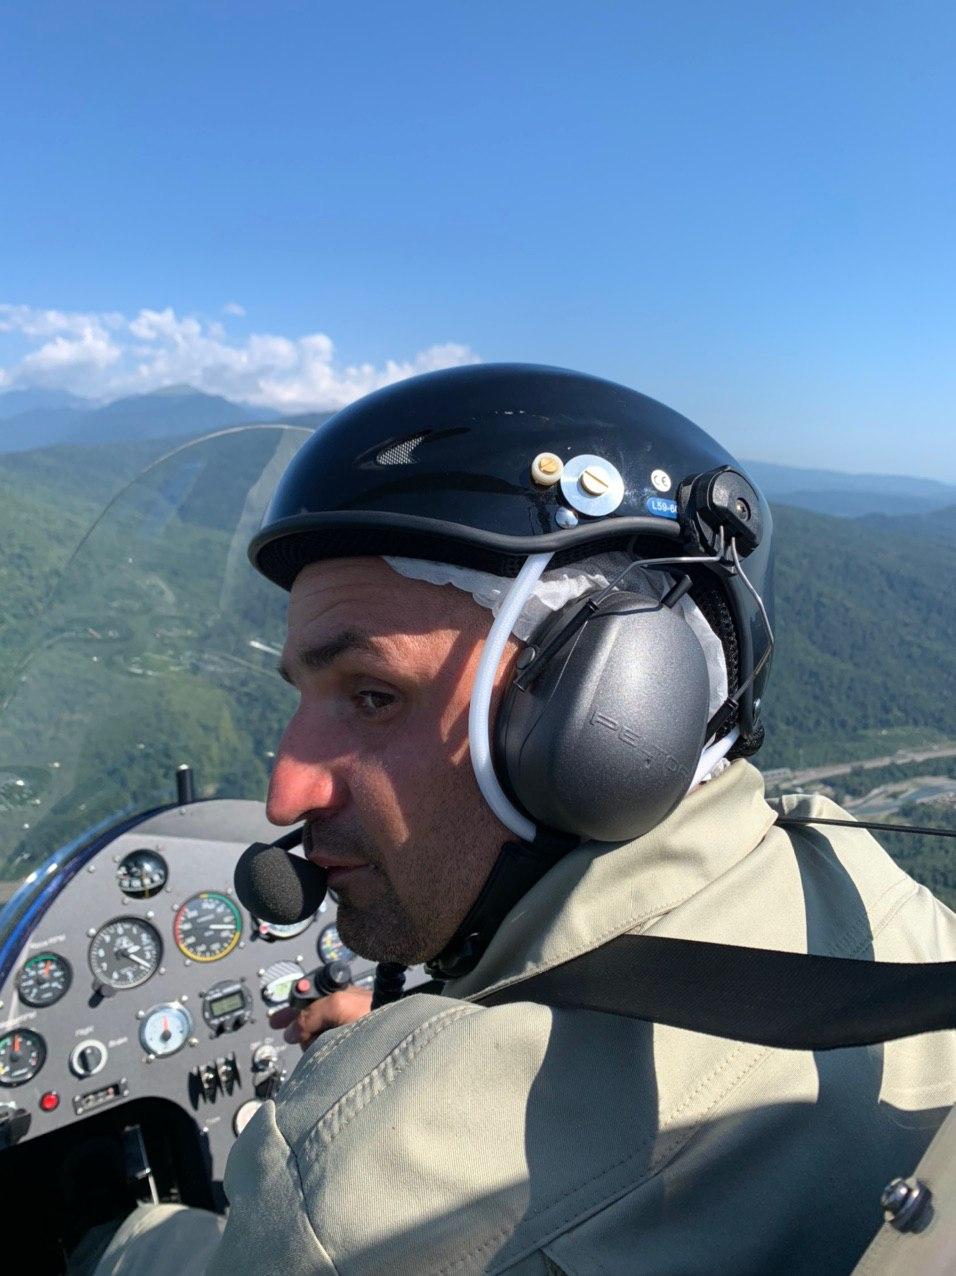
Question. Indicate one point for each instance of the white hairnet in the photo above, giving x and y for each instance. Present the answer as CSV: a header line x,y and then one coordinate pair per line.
x,y
561,585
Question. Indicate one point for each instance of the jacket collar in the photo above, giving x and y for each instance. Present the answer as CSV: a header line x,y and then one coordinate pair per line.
x,y
599,891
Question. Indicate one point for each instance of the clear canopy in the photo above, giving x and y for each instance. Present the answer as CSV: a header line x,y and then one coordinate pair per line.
x,y
158,647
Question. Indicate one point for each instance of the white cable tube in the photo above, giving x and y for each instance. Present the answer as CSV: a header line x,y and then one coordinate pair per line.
x,y
712,754
479,712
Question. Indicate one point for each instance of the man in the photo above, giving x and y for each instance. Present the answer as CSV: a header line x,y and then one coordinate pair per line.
x,y
439,1135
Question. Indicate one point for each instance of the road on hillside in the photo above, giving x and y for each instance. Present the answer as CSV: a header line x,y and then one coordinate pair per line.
x,y
869,764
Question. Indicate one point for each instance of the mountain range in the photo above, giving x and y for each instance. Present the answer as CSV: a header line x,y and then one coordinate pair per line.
x,y
41,419
37,418
850,495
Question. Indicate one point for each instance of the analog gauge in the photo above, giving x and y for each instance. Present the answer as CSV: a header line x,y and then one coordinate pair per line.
x,y
44,979
207,927
141,874
277,981
244,1114
165,1029
278,930
331,947
21,1057
125,952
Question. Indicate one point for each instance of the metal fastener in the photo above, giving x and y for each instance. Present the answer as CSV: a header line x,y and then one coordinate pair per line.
x,y
595,480
565,518
546,469
903,1202
591,485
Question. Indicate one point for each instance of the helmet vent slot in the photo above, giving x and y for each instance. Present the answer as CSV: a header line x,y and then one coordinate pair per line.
x,y
402,453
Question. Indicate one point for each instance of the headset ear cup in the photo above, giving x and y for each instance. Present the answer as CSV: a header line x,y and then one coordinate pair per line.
x,y
603,739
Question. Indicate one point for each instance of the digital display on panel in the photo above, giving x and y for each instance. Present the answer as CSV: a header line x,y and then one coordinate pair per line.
x,y
226,1005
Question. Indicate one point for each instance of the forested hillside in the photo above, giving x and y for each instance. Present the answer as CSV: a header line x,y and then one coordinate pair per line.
x,y
865,619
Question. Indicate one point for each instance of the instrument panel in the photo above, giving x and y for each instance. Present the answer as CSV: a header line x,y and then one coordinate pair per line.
x,y
147,978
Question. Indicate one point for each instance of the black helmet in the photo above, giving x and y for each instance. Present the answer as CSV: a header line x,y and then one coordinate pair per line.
x,y
482,466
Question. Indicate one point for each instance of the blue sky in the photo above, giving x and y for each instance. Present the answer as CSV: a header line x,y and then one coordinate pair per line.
x,y
747,210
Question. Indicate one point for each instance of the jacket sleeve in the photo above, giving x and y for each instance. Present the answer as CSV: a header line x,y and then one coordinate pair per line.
x,y
396,1148
268,1227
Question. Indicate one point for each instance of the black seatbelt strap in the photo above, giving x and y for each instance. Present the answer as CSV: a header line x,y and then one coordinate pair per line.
x,y
793,1001
801,821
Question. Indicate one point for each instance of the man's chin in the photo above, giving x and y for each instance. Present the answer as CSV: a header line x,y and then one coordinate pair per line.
x,y
379,934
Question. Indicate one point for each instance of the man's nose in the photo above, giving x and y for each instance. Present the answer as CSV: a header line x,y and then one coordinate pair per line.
x,y
304,777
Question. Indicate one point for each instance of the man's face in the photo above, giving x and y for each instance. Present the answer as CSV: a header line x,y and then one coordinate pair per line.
x,y
375,759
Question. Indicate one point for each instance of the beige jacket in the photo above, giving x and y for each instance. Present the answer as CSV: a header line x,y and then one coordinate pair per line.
x,y
437,1136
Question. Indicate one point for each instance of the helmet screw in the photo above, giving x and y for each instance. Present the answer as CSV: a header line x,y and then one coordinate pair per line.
x,y
903,1202
741,508
594,480
546,469
565,518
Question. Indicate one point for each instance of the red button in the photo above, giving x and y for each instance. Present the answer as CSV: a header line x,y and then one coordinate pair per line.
x,y
303,985
50,1101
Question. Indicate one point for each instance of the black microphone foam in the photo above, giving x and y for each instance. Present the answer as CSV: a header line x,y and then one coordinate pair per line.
x,y
278,887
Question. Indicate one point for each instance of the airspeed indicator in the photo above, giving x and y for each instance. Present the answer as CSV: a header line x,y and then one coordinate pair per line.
x,y
207,927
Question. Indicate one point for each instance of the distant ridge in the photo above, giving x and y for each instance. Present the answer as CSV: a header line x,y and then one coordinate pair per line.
x,y
169,412
13,402
850,495
308,420
38,427
939,526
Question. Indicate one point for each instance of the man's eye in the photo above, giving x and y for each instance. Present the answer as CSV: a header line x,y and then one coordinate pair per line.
x,y
370,701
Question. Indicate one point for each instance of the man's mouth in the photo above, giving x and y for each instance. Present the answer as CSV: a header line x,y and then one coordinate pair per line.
x,y
336,866
336,869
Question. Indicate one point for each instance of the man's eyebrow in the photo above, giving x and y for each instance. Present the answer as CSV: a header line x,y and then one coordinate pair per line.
x,y
323,654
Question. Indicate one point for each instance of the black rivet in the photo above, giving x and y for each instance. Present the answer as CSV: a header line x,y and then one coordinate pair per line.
x,y
525,657
903,1202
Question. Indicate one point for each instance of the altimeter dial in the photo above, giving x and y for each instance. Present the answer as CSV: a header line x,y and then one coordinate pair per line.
x,y
125,952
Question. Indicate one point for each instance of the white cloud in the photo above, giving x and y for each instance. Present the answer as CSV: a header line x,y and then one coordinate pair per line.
x,y
106,355
233,308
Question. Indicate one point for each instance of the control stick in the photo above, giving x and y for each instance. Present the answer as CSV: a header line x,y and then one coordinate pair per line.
x,y
330,977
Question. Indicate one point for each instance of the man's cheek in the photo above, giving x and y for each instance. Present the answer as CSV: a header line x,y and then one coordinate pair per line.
x,y
387,808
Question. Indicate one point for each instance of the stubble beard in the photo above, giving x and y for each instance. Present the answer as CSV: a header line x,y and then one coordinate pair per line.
x,y
381,929
376,925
